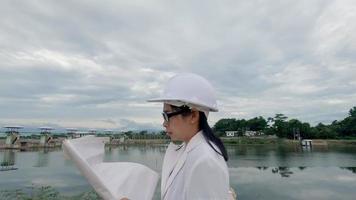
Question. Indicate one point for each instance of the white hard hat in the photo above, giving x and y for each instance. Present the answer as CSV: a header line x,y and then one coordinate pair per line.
x,y
190,90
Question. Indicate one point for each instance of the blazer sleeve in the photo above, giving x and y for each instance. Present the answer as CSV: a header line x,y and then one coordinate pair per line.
x,y
207,180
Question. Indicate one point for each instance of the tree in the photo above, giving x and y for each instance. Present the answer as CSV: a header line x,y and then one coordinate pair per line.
x,y
305,130
143,132
280,126
257,124
352,112
324,131
224,125
347,127
294,128
285,129
128,134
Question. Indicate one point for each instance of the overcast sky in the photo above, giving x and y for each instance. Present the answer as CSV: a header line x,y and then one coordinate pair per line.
x,y
93,64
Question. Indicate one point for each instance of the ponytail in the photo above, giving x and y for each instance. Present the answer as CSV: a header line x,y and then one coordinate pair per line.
x,y
210,137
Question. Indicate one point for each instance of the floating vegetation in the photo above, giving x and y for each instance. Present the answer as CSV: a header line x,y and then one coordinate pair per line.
x,y
45,193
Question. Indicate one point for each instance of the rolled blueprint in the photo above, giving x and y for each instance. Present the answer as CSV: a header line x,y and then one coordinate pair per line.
x,y
111,180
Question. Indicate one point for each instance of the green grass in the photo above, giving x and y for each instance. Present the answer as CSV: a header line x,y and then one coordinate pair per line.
x,y
252,141
45,193
279,141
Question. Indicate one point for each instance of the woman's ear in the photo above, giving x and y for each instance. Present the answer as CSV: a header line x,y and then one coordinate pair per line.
x,y
194,117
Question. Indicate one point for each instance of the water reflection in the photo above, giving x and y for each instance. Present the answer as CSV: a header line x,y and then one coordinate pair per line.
x,y
287,172
256,172
8,161
301,168
284,172
42,158
262,168
149,155
352,169
290,155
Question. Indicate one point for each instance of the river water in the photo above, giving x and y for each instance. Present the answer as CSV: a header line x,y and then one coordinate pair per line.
x,y
256,171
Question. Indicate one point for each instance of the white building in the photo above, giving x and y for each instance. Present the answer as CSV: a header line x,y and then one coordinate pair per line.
x,y
231,133
253,133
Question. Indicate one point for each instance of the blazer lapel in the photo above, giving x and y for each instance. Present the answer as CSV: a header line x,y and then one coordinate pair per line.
x,y
170,159
176,161
176,169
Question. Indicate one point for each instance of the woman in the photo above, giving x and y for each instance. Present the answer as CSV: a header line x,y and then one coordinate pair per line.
x,y
197,168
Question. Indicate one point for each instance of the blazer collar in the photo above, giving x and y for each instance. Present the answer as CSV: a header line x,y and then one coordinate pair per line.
x,y
173,153
197,139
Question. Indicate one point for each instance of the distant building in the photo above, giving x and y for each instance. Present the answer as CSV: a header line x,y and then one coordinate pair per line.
x,y
253,133
46,135
80,134
71,133
92,132
231,133
307,143
12,136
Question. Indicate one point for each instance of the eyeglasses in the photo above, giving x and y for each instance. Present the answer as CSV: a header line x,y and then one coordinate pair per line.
x,y
167,115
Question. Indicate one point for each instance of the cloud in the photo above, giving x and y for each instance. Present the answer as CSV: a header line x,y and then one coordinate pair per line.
x,y
77,63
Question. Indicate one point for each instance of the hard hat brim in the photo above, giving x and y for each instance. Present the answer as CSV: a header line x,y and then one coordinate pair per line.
x,y
181,102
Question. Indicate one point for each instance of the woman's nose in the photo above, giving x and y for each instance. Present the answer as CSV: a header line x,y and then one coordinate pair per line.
x,y
165,124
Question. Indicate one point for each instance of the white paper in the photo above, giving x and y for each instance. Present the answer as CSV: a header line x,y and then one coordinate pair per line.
x,y
111,180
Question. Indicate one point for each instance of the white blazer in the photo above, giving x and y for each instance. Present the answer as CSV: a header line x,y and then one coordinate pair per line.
x,y
194,171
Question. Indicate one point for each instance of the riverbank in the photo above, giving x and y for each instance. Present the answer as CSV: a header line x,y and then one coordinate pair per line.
x,y
117,142
30,144
275,141
26,144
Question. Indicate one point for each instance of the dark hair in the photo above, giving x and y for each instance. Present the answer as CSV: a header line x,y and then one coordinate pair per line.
x,y
211,137
207,131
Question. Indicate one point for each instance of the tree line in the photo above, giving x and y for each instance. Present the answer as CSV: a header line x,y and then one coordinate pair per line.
x,y
283,127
